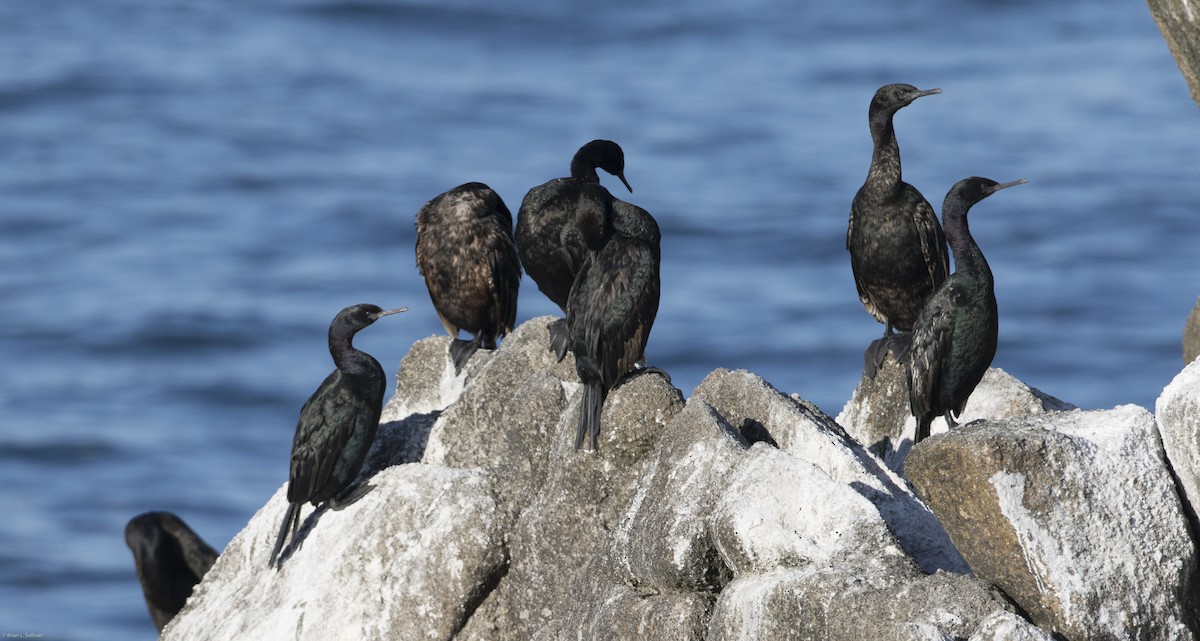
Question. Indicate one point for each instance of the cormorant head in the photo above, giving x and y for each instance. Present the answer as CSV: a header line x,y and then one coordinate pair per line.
x,y
606,155
891,98
971,190
356,317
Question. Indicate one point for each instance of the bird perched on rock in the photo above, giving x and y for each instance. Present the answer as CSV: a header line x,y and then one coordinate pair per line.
x,y
954,337
170,560
612,304
897,249
548,239
338,422
466,253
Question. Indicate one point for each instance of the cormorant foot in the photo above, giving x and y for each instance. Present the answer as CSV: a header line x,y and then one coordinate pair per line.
x,y
350,495
874,356
461,352
560,339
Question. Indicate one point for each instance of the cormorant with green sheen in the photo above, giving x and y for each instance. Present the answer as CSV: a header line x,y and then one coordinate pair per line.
x,y
612,305
954,337
897,249
548,239
338,422
466,253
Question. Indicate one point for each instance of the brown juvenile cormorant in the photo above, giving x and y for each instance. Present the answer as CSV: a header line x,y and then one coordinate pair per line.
x,y
612,305
170,560
338,422
548,238
897,250
954,337
466,253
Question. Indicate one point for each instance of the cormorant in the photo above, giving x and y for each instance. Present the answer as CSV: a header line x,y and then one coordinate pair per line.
x,y
547,236
612,305
954,337
170,559
897,249
338,422
466,253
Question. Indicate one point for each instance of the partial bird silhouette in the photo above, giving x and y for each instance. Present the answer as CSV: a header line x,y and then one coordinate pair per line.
x,y
170,560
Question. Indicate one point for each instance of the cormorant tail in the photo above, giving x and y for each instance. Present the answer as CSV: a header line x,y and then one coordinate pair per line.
x,y
290,521
589,413
560,338
461,352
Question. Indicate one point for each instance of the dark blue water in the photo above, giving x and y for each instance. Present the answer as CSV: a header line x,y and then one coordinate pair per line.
x,y
190,191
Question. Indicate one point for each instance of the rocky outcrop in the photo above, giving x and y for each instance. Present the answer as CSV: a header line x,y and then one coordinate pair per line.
x,y
1074,516
878,413
738,513
1179,22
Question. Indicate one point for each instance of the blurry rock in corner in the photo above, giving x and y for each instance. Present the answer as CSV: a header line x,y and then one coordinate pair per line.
x,y
1191,335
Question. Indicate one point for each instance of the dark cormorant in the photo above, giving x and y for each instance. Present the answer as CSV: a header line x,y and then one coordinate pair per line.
x,y
466,253
170,559
897,250
548,239
954,337
338,422
612,305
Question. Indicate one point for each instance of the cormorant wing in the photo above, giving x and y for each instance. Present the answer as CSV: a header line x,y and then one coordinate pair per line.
x,y
933,241
622,289
863,297
326,422
931,336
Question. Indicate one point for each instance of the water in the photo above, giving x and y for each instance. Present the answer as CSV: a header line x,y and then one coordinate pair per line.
x,y
190,191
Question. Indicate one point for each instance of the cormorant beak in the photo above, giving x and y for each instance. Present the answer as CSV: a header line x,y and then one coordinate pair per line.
x,y
1019,181
926,92
388,312
625,182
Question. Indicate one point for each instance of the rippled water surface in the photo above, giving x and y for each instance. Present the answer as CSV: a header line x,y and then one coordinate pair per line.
x,y
190,191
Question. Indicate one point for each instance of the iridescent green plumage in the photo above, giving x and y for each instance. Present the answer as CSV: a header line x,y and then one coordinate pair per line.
x,y
338,422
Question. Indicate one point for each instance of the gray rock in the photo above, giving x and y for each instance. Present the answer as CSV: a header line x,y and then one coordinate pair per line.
x,y
1177,412
878,414
1073,514
836,602
1006,626
803,431
1177,19
663,541
407,560
1191,335
742,513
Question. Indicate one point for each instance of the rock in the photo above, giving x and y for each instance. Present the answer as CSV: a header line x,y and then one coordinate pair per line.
x,y
1177,412
1073,515
840,603
803,431
1177,20
1006,626
410,559
878,414
740,513
1191,335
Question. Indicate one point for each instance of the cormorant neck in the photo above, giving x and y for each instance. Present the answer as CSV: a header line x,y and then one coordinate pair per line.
x,y
349,360
968,258
584,170
885,160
